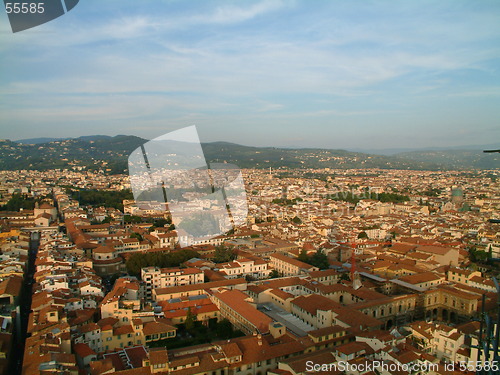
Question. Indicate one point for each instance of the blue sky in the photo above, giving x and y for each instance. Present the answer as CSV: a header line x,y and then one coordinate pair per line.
x,y
336,74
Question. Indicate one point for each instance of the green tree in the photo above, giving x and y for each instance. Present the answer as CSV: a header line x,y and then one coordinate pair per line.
x,y
158,259
249,278
136,235
320,260
190,320
274,274
362,235
344,276
303,257
132,219
159,223
18,201
106,220
224,254
224,329
297,220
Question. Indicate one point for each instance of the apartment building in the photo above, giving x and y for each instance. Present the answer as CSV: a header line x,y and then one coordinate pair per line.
x,y
289,266
155,277
168,293
124,302
320,312
240,310
257,268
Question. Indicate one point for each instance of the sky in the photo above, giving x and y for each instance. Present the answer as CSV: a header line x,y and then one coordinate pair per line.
x,y
333,74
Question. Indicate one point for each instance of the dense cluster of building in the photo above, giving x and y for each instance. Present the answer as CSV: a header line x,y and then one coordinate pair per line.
x,y
402,289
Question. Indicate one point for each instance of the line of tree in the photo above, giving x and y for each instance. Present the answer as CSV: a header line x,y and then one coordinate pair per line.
x,y
318,259
480,256
18,201
107,198
158,259
286,202
354,198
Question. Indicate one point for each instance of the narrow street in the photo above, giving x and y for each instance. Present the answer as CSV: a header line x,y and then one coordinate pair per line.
x,y
21,322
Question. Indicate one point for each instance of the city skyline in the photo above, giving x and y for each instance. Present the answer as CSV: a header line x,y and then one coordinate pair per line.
x,y
269,73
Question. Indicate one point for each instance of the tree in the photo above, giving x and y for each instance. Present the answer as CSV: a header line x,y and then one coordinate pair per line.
x,y
274,274
158,223
18,201
362,235
107,219
136,235
190,320
297,220
320,260
224,329
158,259
344,276
303,257
132,219
224,254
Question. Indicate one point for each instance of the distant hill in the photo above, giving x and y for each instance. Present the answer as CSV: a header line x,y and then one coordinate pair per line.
x,y
394,151
36,141
454,159
94,152
111,153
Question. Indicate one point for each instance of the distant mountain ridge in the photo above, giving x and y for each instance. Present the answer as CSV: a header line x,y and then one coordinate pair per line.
x,y
111,153
395,151
37,141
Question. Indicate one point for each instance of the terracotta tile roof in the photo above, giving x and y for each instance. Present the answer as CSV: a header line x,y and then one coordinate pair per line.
x,y
292,261
326,331
123,330
324,273
313,302
134,354
158,356
438,250
11,286
282,294
83,350
231,350
104,250
89,328
205,286
157,327
354,348
235,300
108,322
419,278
